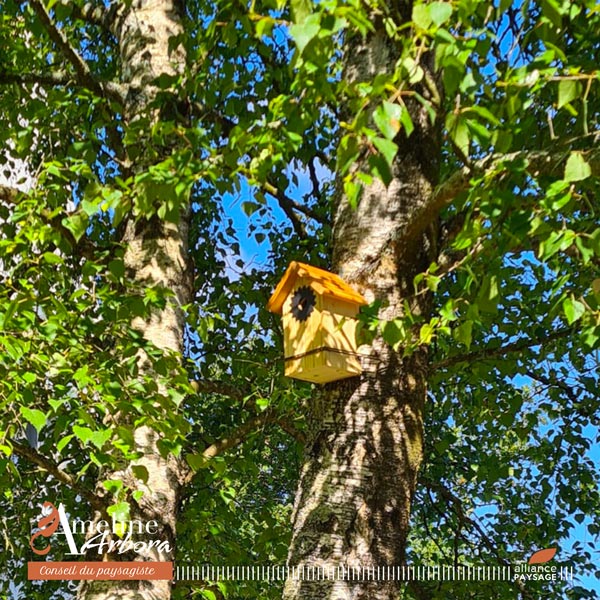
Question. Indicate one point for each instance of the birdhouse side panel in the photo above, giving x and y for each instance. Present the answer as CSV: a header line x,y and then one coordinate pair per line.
x,y
339,322
341,366
301,317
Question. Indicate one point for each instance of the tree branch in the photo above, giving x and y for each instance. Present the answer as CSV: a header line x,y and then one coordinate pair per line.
x,y
50,467
538,163
51,78
235,438
84,74
571,395
291,430
285,200
93,14
287,206
8,194
218,387
82,247
108,89
239,395
455,504
238,435
500,351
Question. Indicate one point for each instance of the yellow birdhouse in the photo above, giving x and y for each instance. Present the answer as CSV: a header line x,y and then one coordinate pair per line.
x,y
319,324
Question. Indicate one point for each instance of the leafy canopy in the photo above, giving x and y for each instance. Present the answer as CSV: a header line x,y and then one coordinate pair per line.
x,y
251,133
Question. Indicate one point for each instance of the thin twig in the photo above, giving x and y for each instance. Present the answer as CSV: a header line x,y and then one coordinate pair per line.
x,y
554,383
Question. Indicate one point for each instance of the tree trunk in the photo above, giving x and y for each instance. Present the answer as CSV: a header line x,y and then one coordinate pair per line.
x,y
156,255
366,443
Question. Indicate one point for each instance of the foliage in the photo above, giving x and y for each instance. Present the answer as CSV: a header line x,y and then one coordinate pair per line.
x,y
251,133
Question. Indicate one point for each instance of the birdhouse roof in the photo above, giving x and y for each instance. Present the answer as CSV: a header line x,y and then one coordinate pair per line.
x,y
321,281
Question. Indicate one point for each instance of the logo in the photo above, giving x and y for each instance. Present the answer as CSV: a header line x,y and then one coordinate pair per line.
x,y
47,526
102,541
101,537
542,556
537,568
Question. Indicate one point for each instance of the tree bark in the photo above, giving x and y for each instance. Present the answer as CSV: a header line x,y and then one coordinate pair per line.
x,y
366,433
156,255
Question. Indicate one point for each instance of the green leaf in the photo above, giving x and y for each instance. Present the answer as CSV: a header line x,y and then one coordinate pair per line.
x,y
480,132
90,208
464,333
120,512
421,16
426,333
484,113
197,461
83,433
555,242
99,438
62,443
29,377
577,168
394,333
488,295
440,12
432,281
380,168
300,9
458,132
573,309
303,33
412,70
140,472
114,486
52,259
552,11
36,417
387,148
117,268
448,311
264,26
76,224
387,118
262,403
250,208
568,90
406,121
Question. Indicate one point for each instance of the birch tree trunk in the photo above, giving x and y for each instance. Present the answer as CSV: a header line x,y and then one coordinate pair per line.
x,y
366,443
156,255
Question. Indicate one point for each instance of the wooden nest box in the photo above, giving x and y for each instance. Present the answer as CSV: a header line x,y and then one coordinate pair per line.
x,y
319,324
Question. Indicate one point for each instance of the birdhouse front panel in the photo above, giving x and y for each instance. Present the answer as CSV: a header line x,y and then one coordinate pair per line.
x,y
319,324
301,316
